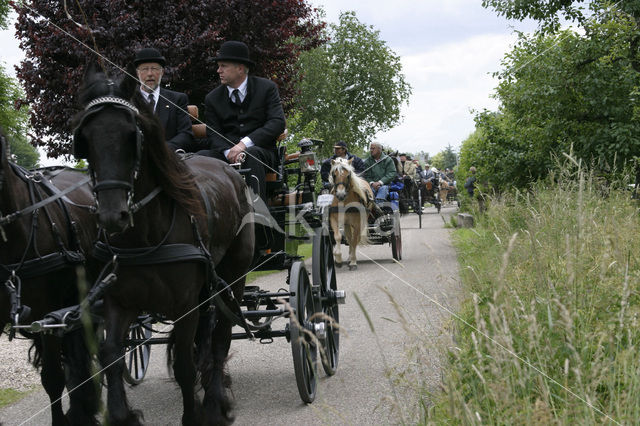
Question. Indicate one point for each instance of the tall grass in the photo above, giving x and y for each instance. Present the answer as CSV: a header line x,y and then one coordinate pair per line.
x,y
549,334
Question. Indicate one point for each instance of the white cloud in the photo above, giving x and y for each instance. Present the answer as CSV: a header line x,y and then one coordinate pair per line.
x,y
448,82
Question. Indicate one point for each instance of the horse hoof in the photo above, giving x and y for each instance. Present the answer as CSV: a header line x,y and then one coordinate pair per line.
x,y
353,267
339,264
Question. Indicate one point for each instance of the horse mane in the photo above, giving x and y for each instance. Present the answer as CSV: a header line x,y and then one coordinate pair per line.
x,y
172,173
341,164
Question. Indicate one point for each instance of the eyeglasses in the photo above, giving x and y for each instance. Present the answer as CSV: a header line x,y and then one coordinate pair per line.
x,y
152,69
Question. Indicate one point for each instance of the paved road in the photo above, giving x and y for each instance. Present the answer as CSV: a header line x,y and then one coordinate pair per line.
x,y
263,378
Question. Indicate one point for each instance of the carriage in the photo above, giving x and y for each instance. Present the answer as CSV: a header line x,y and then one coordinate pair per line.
x,y
310,304
355,216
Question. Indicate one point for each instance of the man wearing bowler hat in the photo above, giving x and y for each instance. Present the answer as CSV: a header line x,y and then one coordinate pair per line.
x,y
170,107
340,151
244,116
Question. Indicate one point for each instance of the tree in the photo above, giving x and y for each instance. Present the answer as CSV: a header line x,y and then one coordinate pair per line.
x,y
13,120
562,92
188,32
352,86
449,157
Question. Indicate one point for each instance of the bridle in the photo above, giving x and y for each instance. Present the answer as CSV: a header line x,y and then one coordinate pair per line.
x,y
346,183
80,150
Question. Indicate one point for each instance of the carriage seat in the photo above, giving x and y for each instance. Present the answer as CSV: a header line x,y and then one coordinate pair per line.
x,y
199,129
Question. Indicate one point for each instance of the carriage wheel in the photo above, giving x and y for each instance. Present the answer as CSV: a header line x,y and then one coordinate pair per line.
x,y
303,347
396,240
136,358
419,210
324,278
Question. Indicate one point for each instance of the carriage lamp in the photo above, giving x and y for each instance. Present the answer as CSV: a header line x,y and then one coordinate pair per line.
x,y
307,157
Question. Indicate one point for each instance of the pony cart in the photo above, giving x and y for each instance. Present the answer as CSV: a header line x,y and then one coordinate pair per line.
x,y
411,198
355,217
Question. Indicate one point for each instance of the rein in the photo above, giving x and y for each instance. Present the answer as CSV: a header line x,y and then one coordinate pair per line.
x,y
10,218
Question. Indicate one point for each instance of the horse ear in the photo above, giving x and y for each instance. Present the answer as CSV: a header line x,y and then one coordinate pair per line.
x,y
333,161
350,160
129,83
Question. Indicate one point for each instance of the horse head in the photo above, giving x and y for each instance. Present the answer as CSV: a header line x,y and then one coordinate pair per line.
x,y
340,177
109,135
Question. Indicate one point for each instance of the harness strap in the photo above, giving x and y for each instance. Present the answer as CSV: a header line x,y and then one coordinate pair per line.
x,y
43,265
5,220
166,253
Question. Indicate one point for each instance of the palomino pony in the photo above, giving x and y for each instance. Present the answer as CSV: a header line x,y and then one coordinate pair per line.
x,y
169,223
43,238
352,202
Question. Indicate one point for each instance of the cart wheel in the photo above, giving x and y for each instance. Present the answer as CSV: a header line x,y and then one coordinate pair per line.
x,y
396,240
419,210
303,347
324,278
136,358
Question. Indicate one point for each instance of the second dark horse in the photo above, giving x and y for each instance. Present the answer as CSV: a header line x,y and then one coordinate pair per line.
x,y
151,202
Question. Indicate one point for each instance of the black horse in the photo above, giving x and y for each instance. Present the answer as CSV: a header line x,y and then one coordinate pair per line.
x,y
44,237
177,228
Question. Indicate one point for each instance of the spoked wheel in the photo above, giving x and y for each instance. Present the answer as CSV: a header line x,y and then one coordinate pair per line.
x,y
419,209
324,279
396,239
137,355
302,326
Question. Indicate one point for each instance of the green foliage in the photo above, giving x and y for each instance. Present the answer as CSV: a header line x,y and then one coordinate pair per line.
x,y
4,14
549,335
560,93
352,87
14,121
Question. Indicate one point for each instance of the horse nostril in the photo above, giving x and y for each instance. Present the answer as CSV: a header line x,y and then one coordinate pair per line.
x,y
124,216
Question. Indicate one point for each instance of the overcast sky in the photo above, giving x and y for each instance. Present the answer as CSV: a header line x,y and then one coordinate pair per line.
x,y
448,50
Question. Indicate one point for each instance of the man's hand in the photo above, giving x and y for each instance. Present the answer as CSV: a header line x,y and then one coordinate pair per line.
x,y
375,185
234,153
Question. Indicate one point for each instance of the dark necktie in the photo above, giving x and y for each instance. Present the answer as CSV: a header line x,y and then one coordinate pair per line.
x,y
235,95
152,102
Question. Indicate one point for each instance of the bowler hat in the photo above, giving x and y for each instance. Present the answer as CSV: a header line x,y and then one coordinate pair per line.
x,y
149,54
234,51
340,144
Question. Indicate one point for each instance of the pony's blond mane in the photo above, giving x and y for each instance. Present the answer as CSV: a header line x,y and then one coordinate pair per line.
x,y
341,164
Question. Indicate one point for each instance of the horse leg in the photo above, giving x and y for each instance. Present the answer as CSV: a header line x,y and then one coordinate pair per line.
x,y
354,240
83,391
337,237
52,374
184,369
217,402
117,321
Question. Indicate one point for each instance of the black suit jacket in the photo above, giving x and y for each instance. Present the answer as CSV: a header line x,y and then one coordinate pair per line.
x,y
174,117
260,117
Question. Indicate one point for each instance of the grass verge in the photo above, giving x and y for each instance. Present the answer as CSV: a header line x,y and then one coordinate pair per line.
x,y
9,396
549,333
304,250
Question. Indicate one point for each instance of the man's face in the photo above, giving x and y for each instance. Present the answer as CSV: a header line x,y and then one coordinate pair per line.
x,y
340,151
231,74
149,74
403,158
375,151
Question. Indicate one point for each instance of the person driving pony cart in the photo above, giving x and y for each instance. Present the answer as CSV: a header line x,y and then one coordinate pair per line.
x,y
379,171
